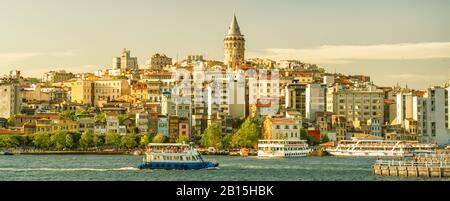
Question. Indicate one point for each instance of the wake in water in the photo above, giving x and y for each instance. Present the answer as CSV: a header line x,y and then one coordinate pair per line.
x,y
69,169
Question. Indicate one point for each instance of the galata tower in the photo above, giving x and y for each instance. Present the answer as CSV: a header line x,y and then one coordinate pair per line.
x,y
234,45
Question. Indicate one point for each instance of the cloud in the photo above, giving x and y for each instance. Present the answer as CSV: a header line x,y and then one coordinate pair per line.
x,y
10,58
418,77
349,53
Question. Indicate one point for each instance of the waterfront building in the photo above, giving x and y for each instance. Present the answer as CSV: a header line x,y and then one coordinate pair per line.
x,y
85,124
234,45
434,110
163,125
174,123
315,100
281,128
358,105
295,97
112,123
125,62
184,128
55,125
10,99
57,76
92,92
142,122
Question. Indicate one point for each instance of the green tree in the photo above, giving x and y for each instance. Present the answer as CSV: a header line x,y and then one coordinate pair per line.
x,y
324,139
212,136
87,139
121,118
309,139
184,139
226,141
11,121
99,139
248,135
42,140
112,139
58,139
69,141
159,138
128,141
144,140
100,118
69,114
10,141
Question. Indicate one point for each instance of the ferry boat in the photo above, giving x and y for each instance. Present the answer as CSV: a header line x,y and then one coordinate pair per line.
x,y
174,157
282,148
380,148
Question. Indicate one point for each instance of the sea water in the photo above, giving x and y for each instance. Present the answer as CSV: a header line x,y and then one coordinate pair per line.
x,y
231,168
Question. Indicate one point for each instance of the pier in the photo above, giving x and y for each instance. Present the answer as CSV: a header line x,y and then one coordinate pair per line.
x,y
421,166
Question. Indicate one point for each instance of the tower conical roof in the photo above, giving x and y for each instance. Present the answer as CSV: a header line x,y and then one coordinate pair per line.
x,y
234,27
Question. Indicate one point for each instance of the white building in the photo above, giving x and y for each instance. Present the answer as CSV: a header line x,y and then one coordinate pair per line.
x,y
434,109
285,128
142,122
10,99
315,100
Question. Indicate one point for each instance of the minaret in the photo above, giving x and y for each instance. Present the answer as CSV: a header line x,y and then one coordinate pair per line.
x,y
234,45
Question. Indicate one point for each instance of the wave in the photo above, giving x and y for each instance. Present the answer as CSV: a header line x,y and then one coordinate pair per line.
x,y
69,169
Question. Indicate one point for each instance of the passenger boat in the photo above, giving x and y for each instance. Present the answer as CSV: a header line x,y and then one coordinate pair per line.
x,y
282,148
174,157
380,148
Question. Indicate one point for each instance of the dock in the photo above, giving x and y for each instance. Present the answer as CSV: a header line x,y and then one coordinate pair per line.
x,y
421,166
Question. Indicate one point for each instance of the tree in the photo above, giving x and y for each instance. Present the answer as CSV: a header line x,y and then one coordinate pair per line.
x,y
58,139
100,118
112,139
212,136
11,121
10,141
69,114
99,140
69,141
42,140
128,141
309,139
183,139
324,139
159,138
226,141
87,139
248,135
121,118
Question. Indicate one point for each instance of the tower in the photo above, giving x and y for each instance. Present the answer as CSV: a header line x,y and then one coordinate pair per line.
x,y
234,45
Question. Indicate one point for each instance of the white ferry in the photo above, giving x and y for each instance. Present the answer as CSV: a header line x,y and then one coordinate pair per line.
x,y
174,157
380,148
282,148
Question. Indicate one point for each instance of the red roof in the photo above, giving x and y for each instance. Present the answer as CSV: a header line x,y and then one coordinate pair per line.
x,y
139,85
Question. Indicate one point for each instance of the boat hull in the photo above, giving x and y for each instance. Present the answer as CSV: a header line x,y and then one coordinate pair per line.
x,y
282,154
178,165
369,153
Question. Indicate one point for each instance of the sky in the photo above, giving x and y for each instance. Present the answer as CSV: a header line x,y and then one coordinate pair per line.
x,y
401,41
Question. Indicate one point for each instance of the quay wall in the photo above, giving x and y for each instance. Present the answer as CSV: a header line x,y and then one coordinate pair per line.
x,y
411,171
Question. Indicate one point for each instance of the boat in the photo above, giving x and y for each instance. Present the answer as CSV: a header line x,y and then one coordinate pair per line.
x,y
174,156
282,148
6,153
380,148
